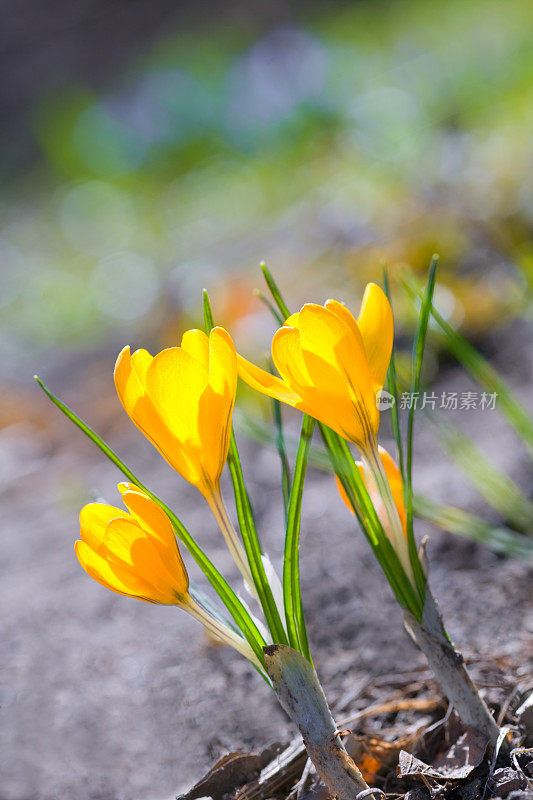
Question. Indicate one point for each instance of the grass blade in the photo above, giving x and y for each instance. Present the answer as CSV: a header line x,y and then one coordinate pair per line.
x,y
291,560
219,584
92,435
208,312
253,547
493,484
264,299
393,389
418,356
275,292
482,372
450,518
276,405
282,452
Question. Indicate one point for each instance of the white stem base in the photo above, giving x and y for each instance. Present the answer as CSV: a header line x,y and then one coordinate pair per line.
x,y
296,684
450,670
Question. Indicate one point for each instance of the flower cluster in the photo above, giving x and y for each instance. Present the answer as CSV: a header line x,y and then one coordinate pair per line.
x,y
331,367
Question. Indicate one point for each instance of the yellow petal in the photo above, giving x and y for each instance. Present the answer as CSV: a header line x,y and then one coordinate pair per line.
x,y
216,406
172,444
367,480
294,320
130,377
338,368
175,382
321,335
129,546
121,581
152,518
289,361
125,486
127,383
377,329
395,482
222,364
94,519
140,361
320,329
264,382
344,314
332,339
196,343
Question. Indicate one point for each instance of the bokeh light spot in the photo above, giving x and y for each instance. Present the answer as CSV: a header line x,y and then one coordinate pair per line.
x,y
96,217
125,285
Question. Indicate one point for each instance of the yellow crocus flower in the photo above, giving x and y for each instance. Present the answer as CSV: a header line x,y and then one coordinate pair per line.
x,y
393,519
182,400
135,553
331,365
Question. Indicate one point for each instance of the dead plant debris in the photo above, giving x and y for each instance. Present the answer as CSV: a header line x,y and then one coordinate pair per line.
x,y
405,743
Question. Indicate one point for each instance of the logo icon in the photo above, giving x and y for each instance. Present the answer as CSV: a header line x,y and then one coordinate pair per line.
x,y
384,400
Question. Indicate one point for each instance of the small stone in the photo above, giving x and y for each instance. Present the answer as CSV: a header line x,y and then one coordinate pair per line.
x,y
507,780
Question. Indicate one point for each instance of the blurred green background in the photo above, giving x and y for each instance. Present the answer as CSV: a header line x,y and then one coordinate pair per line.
x,y
324,138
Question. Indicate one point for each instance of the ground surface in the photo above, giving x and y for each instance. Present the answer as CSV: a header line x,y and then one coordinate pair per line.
x,y
105,697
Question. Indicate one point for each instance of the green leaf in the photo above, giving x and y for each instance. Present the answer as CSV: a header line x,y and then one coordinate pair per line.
x,y
264,433
348,474
208,313
264,299
223,589
275,292
291,560
450,518
480,369
393,389
252,546
282,452
418,356
276,405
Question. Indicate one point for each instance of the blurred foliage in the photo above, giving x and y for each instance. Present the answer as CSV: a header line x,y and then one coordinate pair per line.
x,y
376,132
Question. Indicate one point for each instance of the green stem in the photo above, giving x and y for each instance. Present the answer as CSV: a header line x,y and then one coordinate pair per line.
x,y
292,595
285,469
235,546
220,631
393,525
